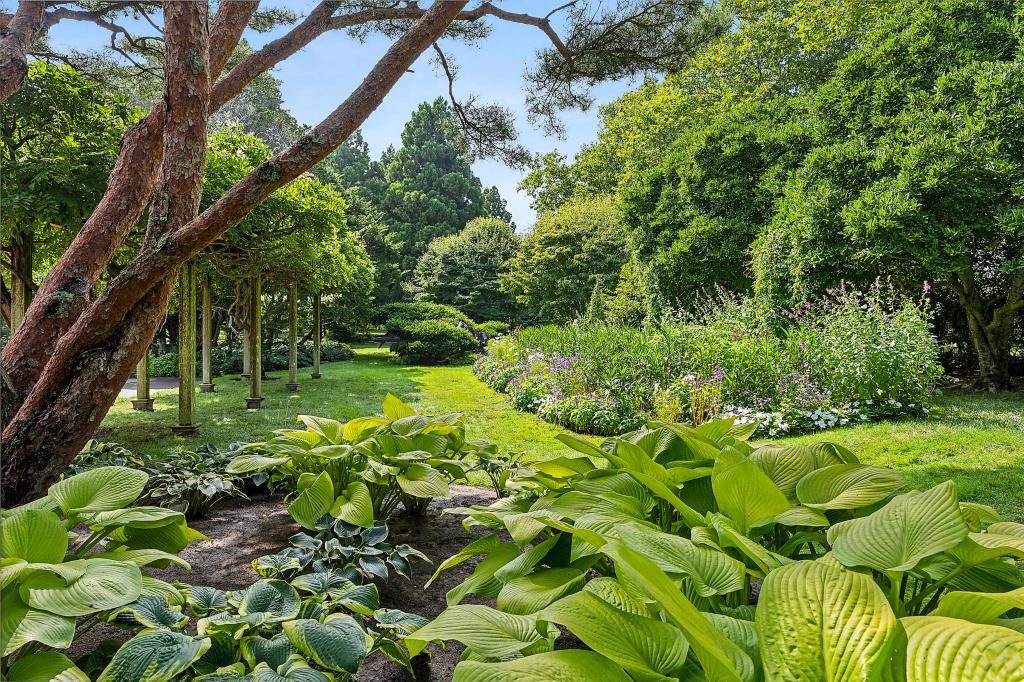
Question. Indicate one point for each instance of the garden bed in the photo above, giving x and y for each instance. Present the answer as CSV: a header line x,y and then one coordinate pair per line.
x,y
241,530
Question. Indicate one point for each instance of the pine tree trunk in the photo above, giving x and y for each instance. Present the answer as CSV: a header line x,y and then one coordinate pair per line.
x,y
208,333
255,399
293,337
317,335
186,351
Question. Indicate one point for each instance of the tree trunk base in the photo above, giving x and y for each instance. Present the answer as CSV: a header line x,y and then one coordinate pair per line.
x,y
185,429
144,405
253,403
316,376
208,388
291,388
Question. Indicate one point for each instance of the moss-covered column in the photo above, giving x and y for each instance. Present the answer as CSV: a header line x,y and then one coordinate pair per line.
x,y
186,425
142,401
293,337
22,245
255,399
207,385
316,335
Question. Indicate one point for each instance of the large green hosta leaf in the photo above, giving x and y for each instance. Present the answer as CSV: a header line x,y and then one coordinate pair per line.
x,y
45,666
96,490
787,464
354,505
954,650
645,647
979,607
394,409
712,572
273,651
157,656
313,502
20,625
530,593
486,631
898,536
35,536
420,480
847,486
745,493
563,666
105,584
818,621
136,517
330,430
338,644
171,537
244,464
151,612
274,597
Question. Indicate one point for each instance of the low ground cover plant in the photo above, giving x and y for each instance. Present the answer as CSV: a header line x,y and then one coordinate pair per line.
x,y
275,358
845,358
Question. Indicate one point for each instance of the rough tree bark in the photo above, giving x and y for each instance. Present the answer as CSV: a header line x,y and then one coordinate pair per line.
x,y
991,328
25,27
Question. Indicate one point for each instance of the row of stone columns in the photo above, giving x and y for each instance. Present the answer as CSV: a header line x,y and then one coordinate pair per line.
x,y
253,348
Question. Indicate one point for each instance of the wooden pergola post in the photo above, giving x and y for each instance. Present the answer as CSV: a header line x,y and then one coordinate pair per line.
x,y
186,426
255,399
142,401
316,335
207,386
293,338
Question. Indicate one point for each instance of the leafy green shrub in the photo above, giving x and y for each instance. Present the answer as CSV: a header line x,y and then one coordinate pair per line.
x,y
335,351
687,553
493,328
165,365
395,317
434,342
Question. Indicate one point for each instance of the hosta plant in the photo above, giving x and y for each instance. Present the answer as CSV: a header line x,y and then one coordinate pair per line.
x,y
686,553
74,556
361,554
191,482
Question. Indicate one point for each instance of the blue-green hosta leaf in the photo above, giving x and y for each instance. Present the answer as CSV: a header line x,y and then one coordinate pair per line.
x,y
136,517
151,612
224,622
105,585
643,646
565,666
295,669
398,621
324,583
421,480
394,409
45,666
164,590
979,607
531,593
338,644
232,673
487,631
818,620
847,486
270,565
274,597
954,650
354,505
313,502
96,490
156,656
744,493
244,464
34,536
712,572
202,599
612,591
898,536
20,625
273,651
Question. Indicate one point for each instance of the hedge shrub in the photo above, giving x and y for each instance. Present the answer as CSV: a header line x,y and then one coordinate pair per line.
x,y
434,342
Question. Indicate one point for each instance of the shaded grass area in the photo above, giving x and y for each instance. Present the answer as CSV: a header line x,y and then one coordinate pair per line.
x,y
976,440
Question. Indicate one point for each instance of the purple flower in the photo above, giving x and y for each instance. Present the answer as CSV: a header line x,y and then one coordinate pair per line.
x,y
927,287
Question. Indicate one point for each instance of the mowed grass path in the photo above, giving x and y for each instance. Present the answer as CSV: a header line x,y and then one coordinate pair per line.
x,y
978,441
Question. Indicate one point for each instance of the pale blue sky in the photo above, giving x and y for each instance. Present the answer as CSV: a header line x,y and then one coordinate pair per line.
x,y
318,78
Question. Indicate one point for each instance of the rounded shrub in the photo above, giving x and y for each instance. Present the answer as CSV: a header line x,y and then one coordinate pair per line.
x,y
434,342
397,316
493,328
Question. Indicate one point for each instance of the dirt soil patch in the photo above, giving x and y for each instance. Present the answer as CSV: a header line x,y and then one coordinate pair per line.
x,y
241,531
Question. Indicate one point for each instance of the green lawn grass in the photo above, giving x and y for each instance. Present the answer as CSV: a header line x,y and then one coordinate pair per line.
x,y
976,440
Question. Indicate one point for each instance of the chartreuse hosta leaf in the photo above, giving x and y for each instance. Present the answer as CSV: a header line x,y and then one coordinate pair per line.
x,y
420,480
979,607
329,429
712,572
847,486
105,584
645,647
243,464
339,643
314,500
744,493
171,537
818,620
395,409
34,536
97,490
787,464
954,650
565,666
612,591
45,666
155,656
488,632
530,593
144,557
354,505
20,624
898,536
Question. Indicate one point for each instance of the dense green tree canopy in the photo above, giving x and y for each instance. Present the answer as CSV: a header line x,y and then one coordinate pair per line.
x,y
463,270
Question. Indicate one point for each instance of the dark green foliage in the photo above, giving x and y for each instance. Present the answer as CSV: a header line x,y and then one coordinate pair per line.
x,y
496,207
492,328
275,358
191,482
462,270
433,342
396,316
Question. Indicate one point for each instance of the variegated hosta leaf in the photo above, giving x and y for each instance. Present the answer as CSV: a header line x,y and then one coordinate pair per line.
x,y
532,592
293,670
271,565
105,585
898,536
202,599
979,607
224,622
639,644
573,665
847,486
744,493
817,620
954,650
20,625
422,480
151,612
313,502
336,585
338,644
488,632
45,666
274,597
157,656
34,536
273,651
712,572
399,621
96,490
354,505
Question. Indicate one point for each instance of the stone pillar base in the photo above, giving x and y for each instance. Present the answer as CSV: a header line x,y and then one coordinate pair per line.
x,y
244,377
185,429
207,388
144,405
292,388
253,403
316,376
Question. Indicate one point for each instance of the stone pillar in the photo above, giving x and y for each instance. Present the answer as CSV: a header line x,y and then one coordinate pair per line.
x,y
142,401
22,247
255,399
186,426
293,338
207,385
245,349
316,335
